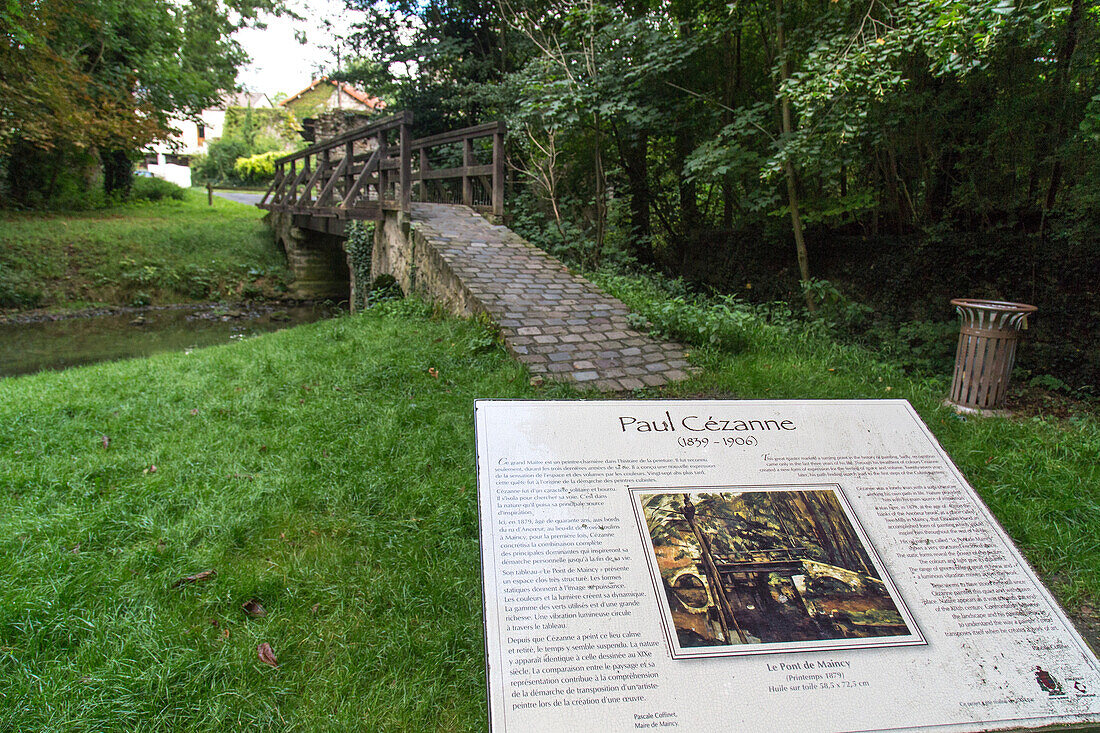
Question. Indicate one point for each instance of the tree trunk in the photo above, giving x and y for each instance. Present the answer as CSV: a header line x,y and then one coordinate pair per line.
x,y
118,172
601,191
633,155
684,144
788,166
1064,59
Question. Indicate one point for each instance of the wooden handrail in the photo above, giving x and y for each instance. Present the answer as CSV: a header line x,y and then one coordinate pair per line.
x,y
468,172
344,173
455,136
368,130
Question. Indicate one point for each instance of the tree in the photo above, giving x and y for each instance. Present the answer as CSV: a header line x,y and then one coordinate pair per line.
x,y
106,76
439,59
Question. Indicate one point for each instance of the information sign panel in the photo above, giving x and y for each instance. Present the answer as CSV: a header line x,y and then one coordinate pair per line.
x,y
810,566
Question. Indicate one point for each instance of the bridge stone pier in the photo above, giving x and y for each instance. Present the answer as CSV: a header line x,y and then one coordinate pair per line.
x,y
318,259
443,249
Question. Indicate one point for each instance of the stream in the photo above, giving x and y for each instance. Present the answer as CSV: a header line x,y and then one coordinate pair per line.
x,y
31,344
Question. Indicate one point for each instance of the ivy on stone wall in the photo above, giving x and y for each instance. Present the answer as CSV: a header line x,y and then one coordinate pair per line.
x,y
360,243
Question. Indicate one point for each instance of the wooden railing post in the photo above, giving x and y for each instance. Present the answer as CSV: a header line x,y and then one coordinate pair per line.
x,y
404,176
424,168
307,169
349,156
293,193
467,181
382,177
498,171
324,165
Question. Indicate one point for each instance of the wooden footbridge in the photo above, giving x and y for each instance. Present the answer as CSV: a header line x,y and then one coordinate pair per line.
x,y
378,167
430,198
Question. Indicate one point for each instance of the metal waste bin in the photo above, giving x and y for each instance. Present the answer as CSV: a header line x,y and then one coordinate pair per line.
x,y
987,352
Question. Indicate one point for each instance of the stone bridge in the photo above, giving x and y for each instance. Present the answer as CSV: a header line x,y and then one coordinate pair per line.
x,y
449,247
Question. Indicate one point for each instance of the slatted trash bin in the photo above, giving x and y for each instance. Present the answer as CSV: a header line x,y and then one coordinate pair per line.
x,y
987,352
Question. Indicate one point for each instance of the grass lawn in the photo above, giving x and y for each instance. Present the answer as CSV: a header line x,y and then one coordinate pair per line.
x,y
139,253
328,473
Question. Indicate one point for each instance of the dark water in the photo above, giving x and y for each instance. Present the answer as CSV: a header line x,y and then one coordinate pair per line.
x,y
27,347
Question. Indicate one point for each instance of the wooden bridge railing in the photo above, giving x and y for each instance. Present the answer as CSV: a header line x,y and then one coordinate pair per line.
x,y
370,169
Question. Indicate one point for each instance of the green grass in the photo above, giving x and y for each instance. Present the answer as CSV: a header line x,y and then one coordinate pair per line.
x,y
325,472
1039,475
139,253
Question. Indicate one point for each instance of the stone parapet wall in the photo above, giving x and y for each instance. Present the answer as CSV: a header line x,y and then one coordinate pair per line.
x,y
403,251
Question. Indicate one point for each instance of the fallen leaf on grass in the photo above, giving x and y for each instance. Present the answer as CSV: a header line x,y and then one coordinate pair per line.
x,y
315,607
253,608
225,632
266,655
194,411
433,372
196,578
537,381
105,440
76,550
151,469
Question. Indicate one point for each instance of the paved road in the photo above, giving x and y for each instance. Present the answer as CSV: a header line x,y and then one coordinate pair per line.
x,y
241,197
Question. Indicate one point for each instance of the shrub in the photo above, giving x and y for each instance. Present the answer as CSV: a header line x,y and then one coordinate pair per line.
x,y
668,309
154,189
259,168
217,165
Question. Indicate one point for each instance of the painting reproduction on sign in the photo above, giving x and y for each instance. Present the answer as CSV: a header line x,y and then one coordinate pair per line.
x,y
749,570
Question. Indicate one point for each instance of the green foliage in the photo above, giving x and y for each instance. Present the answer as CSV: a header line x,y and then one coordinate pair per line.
x,y
486,336
219,163
312,103
360,247
922,347
259,168
17,290
383,288
656,134
261,129
835,310
245,153
155,189
668,310
1046,381
108,75
60,178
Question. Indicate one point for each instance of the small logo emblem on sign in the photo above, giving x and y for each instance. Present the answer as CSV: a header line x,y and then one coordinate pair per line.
x,y
1046,680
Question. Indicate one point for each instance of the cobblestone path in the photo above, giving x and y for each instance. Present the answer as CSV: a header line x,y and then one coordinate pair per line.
x,y
557,323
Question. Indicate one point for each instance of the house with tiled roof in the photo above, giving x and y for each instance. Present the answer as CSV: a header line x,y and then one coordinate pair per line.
x,y
169,159
324,94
